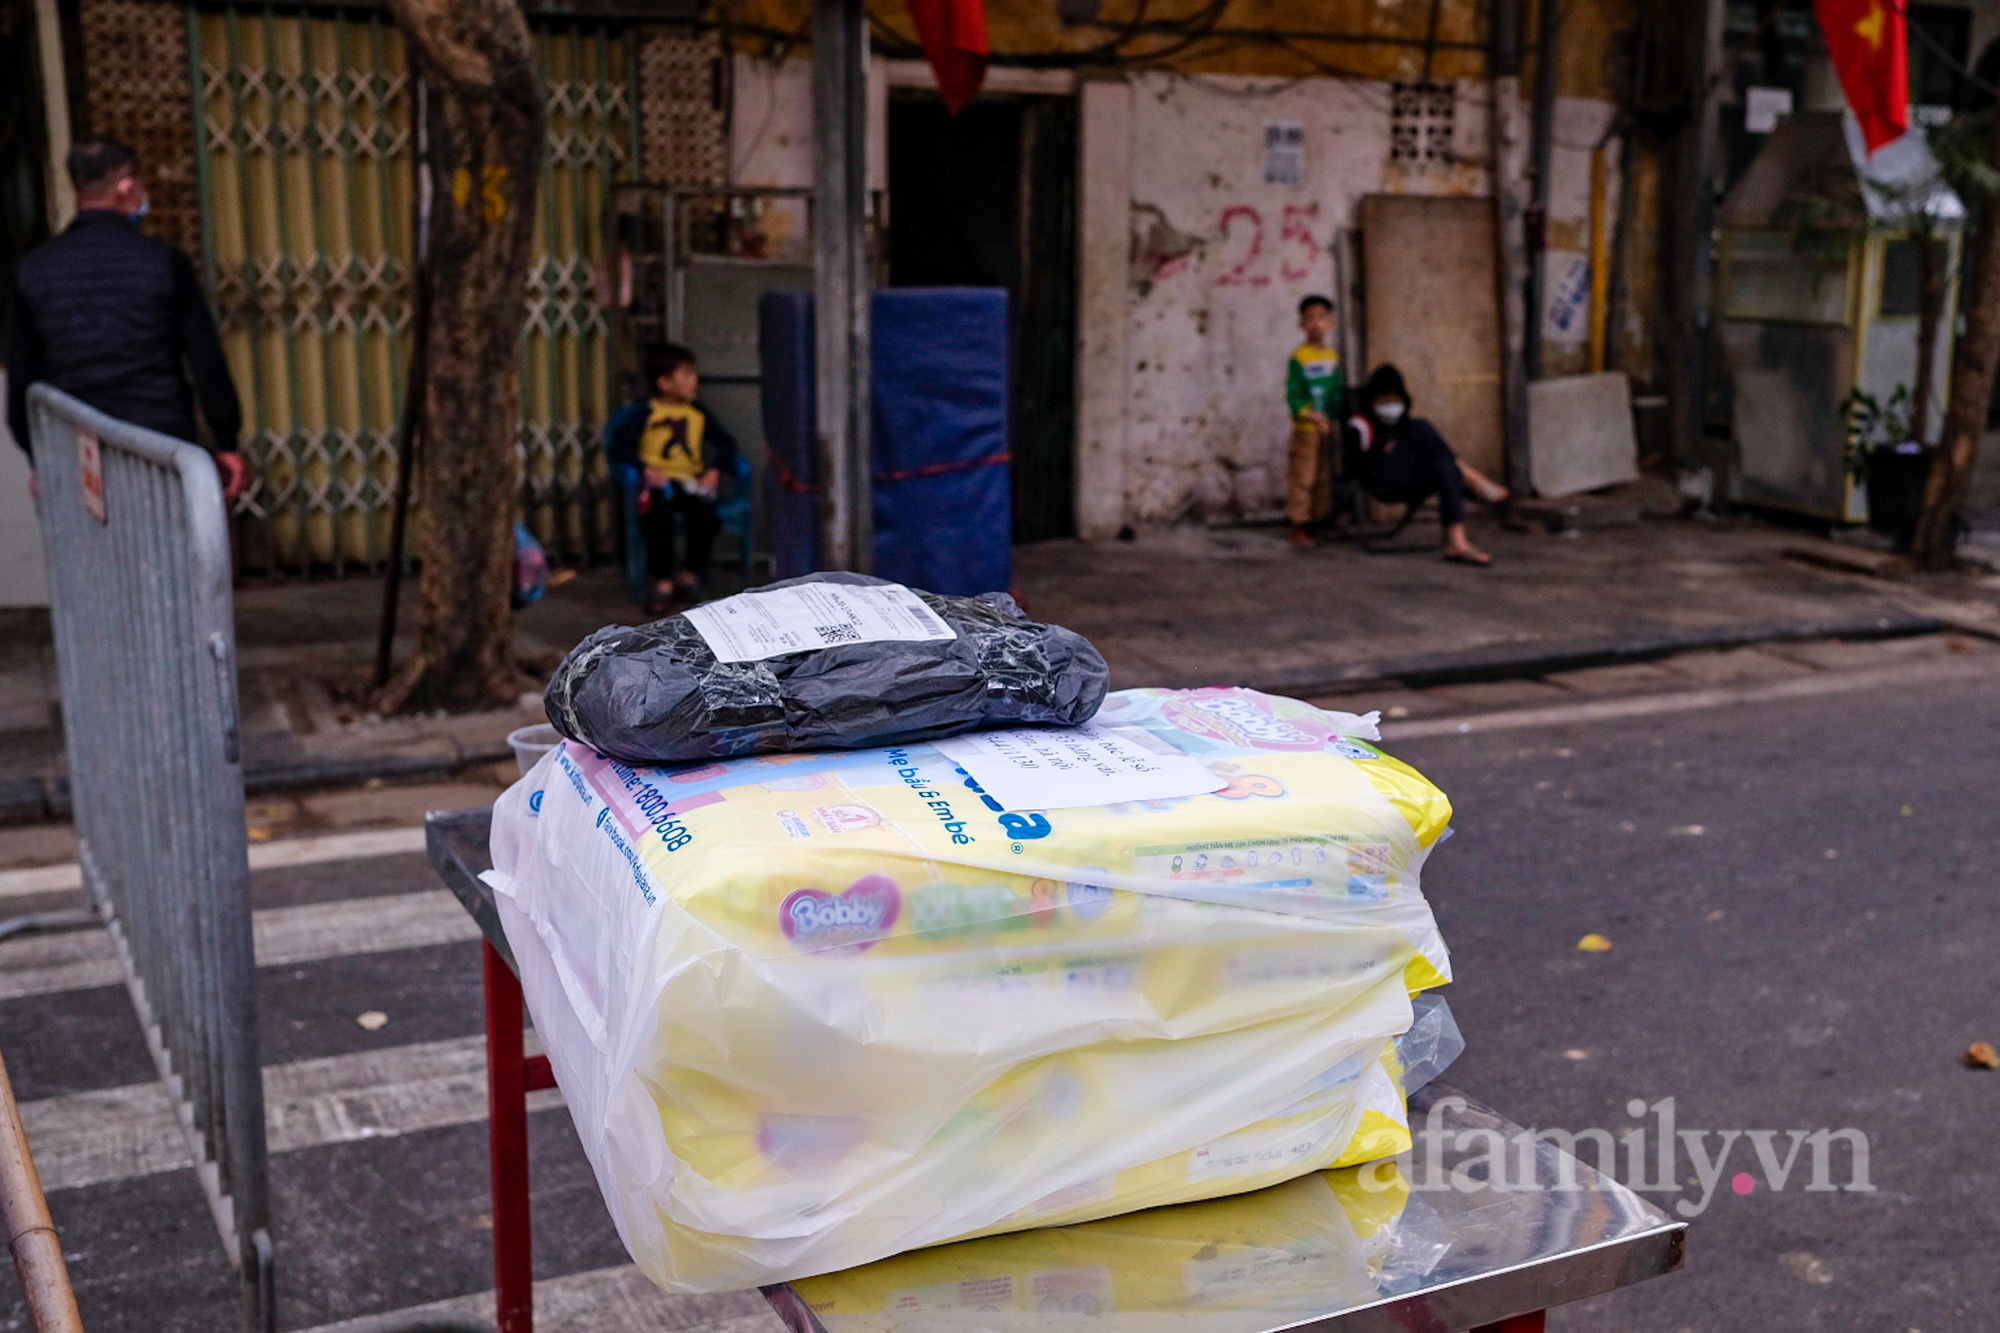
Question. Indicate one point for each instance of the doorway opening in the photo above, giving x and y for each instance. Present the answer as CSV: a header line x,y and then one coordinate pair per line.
x,y
23,148
987,198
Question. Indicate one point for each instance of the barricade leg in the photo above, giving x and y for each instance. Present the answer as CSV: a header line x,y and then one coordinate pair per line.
x,y
507,1108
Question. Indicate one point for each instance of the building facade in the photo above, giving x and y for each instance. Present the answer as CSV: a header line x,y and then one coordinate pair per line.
x,y
277,147
1156,190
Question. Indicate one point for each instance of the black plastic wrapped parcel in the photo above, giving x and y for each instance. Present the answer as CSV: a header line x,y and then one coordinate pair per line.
x,y
821,662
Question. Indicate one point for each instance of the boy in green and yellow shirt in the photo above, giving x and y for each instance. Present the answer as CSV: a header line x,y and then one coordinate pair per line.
x,y
1316,392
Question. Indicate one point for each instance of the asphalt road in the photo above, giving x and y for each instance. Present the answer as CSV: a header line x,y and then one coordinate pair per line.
x,y
1818,955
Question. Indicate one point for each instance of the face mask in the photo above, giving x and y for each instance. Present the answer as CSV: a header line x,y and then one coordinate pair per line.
x,y
138,215
1390,412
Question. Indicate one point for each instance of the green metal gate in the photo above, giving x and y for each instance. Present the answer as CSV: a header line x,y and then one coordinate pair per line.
x,y
303,158
567,353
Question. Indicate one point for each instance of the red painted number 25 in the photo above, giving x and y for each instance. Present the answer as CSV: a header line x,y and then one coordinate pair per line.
x,y
1247,264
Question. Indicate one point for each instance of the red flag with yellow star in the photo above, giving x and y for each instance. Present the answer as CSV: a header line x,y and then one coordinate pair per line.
x,y
1869,41
953,33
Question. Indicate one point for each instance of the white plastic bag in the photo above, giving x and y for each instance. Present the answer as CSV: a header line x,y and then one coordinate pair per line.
x,y
809,1010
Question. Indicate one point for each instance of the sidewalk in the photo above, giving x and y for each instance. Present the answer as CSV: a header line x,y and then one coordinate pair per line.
x,y
305,656
1233,606
1241,607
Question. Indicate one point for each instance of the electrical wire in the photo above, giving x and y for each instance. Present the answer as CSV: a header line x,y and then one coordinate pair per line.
x,y
1331,38
1207,83
1359,82
779,40
1188,31
1127,34
900,46
1206,24
1193,29
1937,49
1430,38
1107,51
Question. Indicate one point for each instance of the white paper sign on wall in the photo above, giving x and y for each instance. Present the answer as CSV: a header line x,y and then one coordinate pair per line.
x,y
1764,107
1566,307
1284,152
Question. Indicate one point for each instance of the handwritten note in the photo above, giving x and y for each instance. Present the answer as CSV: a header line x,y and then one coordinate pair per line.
x,y
1060,768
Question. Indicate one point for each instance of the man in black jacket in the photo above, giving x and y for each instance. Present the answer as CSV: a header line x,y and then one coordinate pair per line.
x,y
116,318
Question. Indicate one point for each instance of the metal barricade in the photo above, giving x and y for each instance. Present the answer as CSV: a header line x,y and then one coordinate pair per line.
x,y
139,593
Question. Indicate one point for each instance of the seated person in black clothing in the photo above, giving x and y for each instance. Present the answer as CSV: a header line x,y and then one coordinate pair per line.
x,y
1402,459
683,452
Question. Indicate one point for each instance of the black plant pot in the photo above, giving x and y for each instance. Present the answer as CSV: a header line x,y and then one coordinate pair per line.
x,y
1896,483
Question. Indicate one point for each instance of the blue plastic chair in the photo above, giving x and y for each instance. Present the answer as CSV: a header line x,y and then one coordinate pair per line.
x,y
625,476
735,507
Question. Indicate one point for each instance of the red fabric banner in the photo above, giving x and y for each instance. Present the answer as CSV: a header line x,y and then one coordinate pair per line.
x,y
954,36
1869,41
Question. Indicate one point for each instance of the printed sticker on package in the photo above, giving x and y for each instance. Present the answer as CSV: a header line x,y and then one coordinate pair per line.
x,y
752,626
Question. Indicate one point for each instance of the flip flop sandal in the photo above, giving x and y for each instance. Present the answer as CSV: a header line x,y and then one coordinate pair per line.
x,y
1477,562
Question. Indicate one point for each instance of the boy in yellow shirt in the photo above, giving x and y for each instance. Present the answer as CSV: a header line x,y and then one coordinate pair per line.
x,y
683,453
1316,391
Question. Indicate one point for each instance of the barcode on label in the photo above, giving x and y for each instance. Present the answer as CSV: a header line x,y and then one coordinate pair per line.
x,y
753,626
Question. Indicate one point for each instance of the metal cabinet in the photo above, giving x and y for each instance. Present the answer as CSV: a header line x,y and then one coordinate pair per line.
x,y
1817,296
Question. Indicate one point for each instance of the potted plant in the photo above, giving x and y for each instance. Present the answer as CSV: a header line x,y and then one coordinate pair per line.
x,y
1883,453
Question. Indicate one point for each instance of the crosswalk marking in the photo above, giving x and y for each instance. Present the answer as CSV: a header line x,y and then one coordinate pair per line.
x,y
610,1300
88,1138
40,879
335,847
263,856
44,964
113,1134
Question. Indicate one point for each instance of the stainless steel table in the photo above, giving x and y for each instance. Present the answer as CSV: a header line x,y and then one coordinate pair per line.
x,y
1481,1227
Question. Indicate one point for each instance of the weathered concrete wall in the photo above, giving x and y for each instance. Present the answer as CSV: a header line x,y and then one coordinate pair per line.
x,y
770,122
1220,259
1180,407
1581,125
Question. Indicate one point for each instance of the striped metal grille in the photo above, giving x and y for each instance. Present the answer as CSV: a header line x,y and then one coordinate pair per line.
x,y
303,147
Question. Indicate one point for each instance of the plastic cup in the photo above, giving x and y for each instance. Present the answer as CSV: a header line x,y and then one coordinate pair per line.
x,y
531,743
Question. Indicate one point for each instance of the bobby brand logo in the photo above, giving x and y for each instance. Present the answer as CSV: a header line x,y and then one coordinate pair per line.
x,y
855,918
1229,716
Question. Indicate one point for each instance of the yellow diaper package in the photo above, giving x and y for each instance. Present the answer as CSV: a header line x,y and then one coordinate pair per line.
x,y
1239,1265
811,1010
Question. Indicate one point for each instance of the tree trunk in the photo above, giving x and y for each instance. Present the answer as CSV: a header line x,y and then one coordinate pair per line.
x,y
1931,257
1971,394
483,130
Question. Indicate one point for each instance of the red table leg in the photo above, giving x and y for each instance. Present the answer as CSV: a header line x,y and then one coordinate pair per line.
x,y
1520,1323
507,1109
